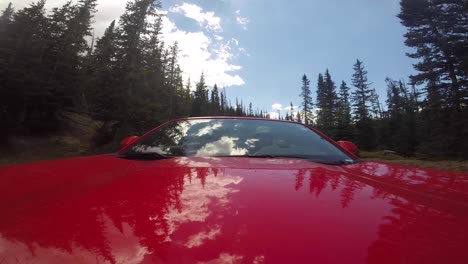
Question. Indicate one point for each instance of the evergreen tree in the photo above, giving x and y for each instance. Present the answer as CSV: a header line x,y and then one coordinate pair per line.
x,y
223,103
215,101
343,114
23,97
400,130
436,30
102,94
143,66
129,78
298,117
70,25
172,78
6,17
361,98
200,100
133,25
307,105
291,107
326,103
184,95
436,137
375,105
181,100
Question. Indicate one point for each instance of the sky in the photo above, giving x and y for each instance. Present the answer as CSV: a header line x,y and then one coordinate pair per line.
x,y
258,50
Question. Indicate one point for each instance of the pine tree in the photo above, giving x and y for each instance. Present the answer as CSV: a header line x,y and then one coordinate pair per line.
x,y
436,30
200,99
343,114
105,51
102,94
326,103
307,105
361,98
172,67
6,16
435,136
22,71
183,95
133,25
400,133
320,93
291,107
128,78
70,25
6,20
223,103
375,105
215,101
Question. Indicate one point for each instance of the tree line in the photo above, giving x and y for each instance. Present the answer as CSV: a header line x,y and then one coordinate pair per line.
x,y
426,116
129,78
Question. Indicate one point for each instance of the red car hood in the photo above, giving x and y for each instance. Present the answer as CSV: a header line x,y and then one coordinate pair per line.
x,y
230,210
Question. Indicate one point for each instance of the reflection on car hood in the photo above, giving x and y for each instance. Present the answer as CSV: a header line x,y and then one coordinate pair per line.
x,y
230,210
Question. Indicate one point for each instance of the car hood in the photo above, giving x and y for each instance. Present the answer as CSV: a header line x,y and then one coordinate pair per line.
x,y
104,209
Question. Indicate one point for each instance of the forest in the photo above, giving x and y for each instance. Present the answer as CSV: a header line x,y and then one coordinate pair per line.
x,y
131,81
426,116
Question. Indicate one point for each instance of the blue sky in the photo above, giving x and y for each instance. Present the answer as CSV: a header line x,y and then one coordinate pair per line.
x,y
284,41
259,49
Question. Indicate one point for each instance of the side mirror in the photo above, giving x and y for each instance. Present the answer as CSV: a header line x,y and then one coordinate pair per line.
x,y
349,146
128,140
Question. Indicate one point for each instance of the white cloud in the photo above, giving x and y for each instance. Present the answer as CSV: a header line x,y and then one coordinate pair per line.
x,y
196,13
242,21
224,146
235,41
201,52
277,107
288,108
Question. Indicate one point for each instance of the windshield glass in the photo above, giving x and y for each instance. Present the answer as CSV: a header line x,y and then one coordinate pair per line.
x,y
237,137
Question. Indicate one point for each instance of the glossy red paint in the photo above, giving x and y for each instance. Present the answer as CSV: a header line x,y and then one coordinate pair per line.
x,y
349,146
104,209
128,140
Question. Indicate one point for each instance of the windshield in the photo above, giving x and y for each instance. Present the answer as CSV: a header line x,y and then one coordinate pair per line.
x,y
237,137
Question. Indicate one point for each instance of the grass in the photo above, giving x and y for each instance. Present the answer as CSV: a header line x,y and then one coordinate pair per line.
x,y
75,139
29,149
65,147
446,165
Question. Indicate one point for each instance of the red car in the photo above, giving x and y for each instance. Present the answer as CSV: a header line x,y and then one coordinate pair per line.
x,y
231,190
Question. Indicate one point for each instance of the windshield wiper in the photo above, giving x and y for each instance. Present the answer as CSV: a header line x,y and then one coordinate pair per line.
x,y
144,156
338,162
271,156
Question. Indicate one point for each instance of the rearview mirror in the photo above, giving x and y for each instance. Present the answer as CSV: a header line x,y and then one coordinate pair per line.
x,y
128,140
349,146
